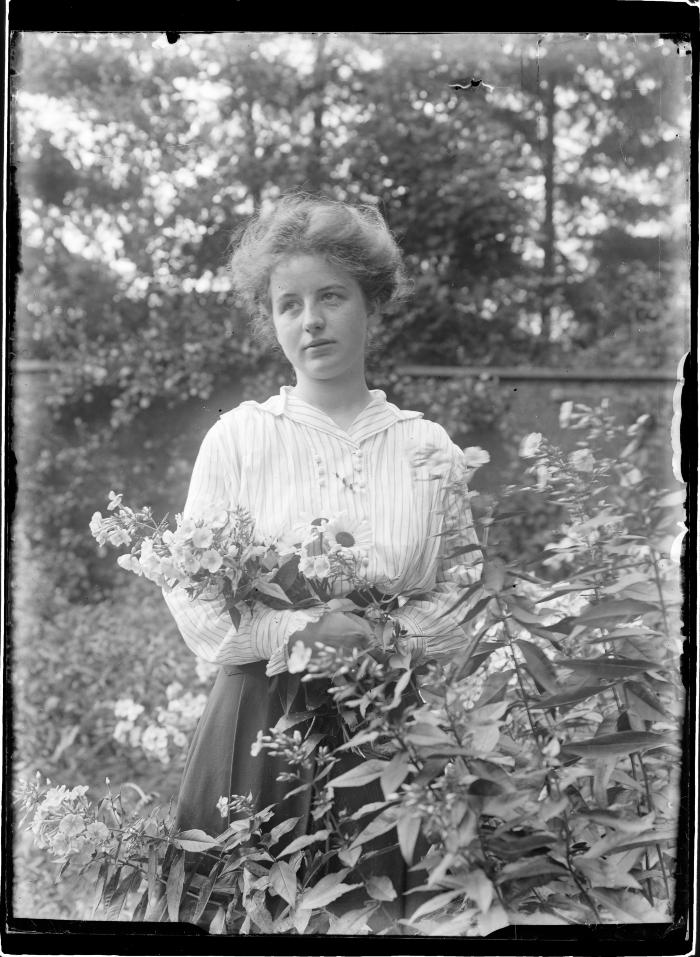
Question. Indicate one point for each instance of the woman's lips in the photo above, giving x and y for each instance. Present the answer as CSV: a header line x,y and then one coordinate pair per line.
x,y
322,343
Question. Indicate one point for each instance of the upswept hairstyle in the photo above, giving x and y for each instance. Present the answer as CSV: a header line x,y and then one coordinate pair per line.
x,y
355,238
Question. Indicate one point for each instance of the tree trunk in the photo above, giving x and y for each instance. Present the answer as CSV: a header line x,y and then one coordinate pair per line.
x,y
548,228
314,166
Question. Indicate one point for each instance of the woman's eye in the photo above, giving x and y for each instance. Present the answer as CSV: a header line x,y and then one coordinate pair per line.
x,y
331,296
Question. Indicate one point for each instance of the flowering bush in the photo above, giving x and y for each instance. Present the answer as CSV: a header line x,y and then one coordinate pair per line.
x,y
542,769
165,732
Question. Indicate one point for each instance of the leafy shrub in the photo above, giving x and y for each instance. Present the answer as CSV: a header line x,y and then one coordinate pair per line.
x,y
72,663
542,769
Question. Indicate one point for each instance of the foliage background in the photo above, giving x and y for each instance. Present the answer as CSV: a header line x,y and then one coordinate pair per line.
x,y
544,220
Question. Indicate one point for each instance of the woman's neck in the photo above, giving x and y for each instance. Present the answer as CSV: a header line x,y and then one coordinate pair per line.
x,y
341,401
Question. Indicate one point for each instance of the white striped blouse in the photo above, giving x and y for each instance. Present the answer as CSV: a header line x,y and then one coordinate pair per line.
x,y
286,461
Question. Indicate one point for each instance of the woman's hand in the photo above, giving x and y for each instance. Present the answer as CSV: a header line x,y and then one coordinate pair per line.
x,y
337,629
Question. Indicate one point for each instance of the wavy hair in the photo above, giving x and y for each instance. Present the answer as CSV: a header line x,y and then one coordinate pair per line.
x,y
356,238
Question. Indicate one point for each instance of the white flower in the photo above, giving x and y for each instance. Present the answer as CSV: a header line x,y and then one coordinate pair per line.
x,y
211,560
216,516
530,445
55,797
542,477
97,832
565,411
134,736
79,791
205,670
256,746
173,690
299,657
128,708
96,523
582,460
114,500
322,567
121,731
202,537
155,740
71,825
118,536
130,563
348,533
474,457
222,806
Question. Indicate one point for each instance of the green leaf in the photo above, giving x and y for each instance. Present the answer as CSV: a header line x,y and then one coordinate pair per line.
x,y
194,840
218,924
493,576
139,913
539,666
626,843
305,841
408,829
100,886
367,809
129,884
475,610
272,590
395,773
478,888
350,856
539,866
494,687
381,889
645,704
353,922
571,695
205,892
621,743
379,825
607,667
464,596
524,616
174,886
610,609
463,550
361,774
291,719
284,828
327,890
435,903
283,881
474,661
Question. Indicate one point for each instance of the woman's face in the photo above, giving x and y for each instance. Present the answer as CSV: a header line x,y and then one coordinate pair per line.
x,y
320,318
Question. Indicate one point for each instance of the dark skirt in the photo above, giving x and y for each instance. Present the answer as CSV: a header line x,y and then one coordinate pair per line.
x,y
242,702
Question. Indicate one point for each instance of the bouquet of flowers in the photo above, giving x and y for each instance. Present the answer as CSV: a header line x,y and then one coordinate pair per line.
x,y
319,564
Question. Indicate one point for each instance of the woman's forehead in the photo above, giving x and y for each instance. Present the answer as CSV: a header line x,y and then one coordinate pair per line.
x,y
307,271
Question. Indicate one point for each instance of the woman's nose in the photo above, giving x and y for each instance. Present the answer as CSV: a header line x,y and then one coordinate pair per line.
x,y
313,317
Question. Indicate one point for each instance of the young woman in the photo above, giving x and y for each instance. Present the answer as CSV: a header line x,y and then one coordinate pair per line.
x,y
315,275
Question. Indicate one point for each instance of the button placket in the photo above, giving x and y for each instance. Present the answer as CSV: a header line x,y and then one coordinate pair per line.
x,y
358,471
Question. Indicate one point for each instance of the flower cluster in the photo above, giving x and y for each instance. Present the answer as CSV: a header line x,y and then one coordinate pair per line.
x,y
63,821
166,730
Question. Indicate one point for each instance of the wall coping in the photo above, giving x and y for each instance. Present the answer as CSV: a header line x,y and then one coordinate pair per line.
x,y
535,374
505,373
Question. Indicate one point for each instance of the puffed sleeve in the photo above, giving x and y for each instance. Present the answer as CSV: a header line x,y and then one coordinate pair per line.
x,y
435,627
205,624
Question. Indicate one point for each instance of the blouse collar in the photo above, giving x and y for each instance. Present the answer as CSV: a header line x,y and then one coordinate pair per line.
x,y
376,416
